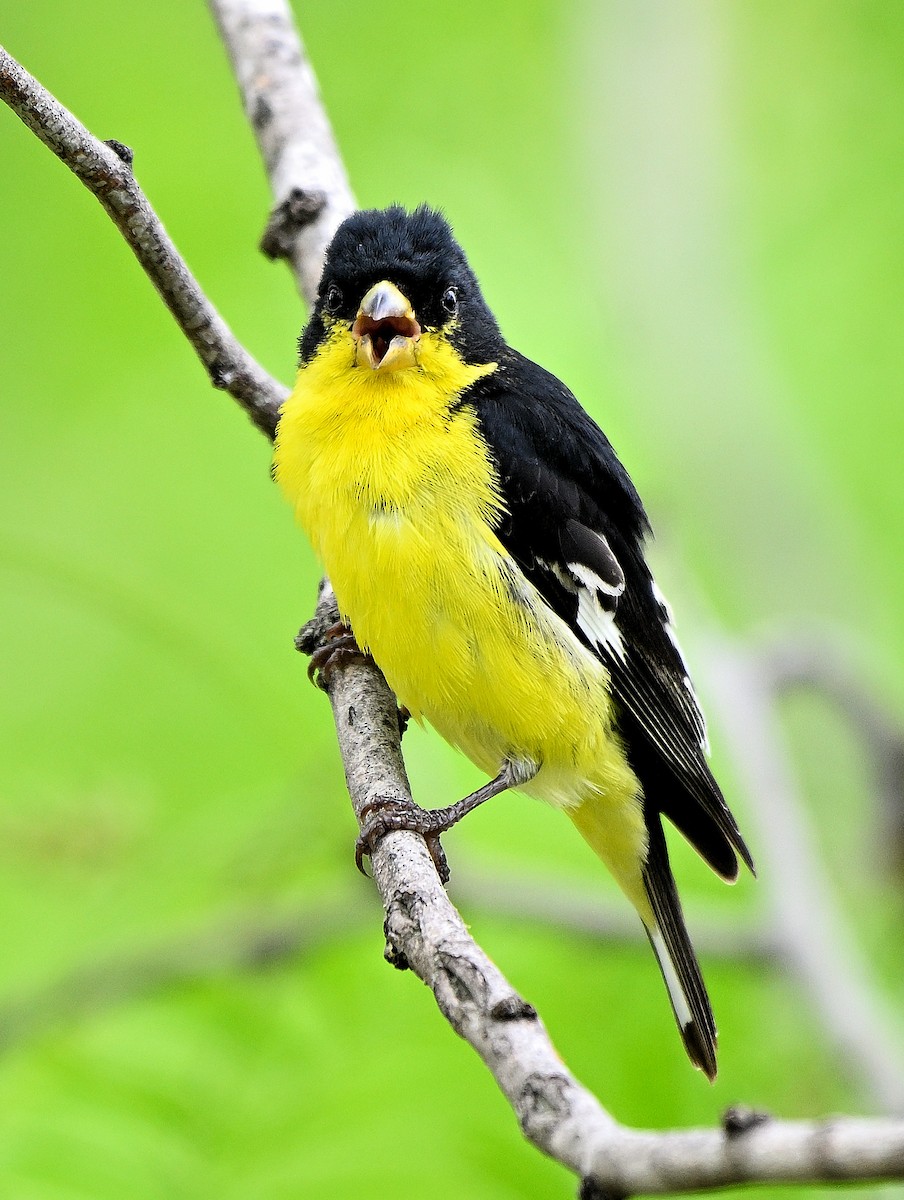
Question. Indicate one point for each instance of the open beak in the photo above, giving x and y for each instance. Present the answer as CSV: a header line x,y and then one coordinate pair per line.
x,y
385,330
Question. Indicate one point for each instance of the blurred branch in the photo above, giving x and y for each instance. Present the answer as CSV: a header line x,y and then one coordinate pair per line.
x,y
246,941
806,918
105,168
279,92
554,904
819,662
252,940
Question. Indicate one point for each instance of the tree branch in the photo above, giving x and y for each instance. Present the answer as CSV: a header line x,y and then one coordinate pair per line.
x,y
106,170
557,905
281,100
818,661
243,941
843,1149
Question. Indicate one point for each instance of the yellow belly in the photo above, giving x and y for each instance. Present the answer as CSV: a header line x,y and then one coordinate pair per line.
x,y
396,490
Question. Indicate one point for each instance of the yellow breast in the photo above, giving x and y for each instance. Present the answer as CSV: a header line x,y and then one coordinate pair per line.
x,y
393,482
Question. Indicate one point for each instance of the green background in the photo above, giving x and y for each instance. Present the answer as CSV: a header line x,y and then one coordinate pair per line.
x,y
689,211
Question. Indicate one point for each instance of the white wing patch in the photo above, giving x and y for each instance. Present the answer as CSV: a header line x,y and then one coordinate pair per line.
x,y
596,621
658,691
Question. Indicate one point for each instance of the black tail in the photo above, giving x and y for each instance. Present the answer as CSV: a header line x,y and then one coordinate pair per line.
x,y
675,954
690,797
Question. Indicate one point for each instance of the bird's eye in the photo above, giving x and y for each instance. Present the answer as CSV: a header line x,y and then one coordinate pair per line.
x,y
450,301
333,298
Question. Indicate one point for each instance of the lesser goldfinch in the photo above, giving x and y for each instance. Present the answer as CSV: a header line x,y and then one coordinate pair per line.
x,y
486,547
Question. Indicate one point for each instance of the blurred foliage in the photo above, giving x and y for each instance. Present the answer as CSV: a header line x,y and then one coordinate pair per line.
x,y
691,212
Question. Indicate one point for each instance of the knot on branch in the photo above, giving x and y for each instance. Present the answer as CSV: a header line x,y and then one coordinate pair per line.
x,y
513,1008
739,1119
393,953
400,925
299,209
261,112
591,1190
222,375
396,957
121,150
461,990
542,1105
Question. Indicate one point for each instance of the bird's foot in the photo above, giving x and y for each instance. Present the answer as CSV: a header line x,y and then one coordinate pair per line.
x,y
383,815
338,646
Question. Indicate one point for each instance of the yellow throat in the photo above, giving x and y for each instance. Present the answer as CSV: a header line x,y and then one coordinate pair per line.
x,y
387,470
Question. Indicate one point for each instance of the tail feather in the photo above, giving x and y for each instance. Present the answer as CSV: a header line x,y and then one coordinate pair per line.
x,y
672,946
691,799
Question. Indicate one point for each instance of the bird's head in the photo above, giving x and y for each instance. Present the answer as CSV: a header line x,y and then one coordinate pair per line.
x,y
396,289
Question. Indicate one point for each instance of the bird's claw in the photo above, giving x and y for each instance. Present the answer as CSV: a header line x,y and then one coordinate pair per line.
x,y
338,646
383,816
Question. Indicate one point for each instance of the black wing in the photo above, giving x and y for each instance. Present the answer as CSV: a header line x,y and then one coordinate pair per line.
x,y
575,525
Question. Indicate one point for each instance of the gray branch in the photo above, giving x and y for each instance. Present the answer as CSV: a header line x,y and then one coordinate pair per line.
x,y
106,170
633,1162
558,905
240,942
279,92
822,661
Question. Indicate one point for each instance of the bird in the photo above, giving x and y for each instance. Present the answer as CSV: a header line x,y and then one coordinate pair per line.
x,y
486,548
